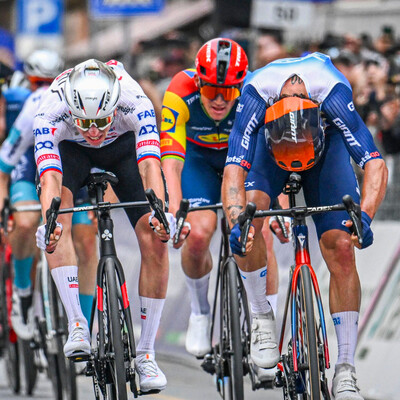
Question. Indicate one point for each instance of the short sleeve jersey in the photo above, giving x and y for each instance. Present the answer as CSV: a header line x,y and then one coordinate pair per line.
x,y
324,84
53,122
185,119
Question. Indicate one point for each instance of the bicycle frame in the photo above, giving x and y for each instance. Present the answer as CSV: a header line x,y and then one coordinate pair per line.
x,y
302,257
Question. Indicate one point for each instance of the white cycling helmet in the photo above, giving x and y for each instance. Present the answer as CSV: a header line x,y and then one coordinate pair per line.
x,y
44,64
92,90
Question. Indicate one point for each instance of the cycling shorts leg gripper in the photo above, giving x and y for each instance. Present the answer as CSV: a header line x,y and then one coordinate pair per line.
x,y
23,191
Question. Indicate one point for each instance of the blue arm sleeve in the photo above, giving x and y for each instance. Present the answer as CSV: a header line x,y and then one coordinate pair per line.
x,y
339,111
250,115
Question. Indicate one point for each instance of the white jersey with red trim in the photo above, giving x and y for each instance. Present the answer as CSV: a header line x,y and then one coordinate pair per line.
x,y
53,122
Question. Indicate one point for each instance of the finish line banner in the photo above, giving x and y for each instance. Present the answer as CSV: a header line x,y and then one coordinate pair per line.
x,y
124,8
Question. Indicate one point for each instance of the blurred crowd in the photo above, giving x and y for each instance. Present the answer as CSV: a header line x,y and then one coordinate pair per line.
x,y
372,66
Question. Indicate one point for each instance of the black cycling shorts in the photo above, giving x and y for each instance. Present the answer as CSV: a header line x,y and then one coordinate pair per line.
x,y
119,157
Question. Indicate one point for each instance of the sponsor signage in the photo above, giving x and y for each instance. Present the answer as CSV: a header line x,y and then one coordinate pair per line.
x,y
123,8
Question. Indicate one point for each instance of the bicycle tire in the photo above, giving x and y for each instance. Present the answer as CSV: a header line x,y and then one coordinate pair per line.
x,y
11,351
234,352
115,337
65,375
28,365
308,353
61,371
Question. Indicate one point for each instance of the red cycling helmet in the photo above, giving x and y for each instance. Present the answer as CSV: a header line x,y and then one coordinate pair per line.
x,y
294,133
221,62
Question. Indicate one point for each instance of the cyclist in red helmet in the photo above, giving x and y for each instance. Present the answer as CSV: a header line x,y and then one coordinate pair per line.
x,y
198,112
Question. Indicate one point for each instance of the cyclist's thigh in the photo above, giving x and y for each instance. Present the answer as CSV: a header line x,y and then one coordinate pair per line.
x,y
22,186
264,174
202,175
327,183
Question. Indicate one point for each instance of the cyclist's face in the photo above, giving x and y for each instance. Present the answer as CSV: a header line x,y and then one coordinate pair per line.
x,y
94,136
218,108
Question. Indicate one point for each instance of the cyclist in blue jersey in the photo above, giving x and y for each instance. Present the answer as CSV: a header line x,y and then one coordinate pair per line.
x,y
297,114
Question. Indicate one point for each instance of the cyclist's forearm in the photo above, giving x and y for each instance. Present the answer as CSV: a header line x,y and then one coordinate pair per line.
x,y
233,193
50,184
173,171
374,186
150,172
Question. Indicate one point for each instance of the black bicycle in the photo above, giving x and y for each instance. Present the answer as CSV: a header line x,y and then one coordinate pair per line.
x,y
301,371
229,359
113,352
44,353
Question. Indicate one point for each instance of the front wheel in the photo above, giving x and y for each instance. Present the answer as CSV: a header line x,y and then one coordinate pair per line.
x,y
28,365
115,346
308,381
231,334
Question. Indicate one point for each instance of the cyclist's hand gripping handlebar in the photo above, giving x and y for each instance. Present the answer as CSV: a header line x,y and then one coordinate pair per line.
x,y
51,217
280,220
156,205
354,211
181,215
245,219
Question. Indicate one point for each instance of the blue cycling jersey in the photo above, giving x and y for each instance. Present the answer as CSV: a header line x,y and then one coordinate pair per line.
x,y
15,98
324,84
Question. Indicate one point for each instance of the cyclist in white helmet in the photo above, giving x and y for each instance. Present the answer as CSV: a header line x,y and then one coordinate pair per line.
x,y
17,162
96,115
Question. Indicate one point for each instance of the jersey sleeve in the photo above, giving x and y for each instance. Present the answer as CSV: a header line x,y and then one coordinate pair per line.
x,y
49,128
143,123
340,114
174,116
250,115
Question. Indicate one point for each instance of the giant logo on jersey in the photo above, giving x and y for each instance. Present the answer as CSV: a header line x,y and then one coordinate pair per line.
x,y
168,119
214,138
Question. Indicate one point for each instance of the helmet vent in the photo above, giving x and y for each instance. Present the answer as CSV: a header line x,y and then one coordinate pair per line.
x,y
223,58
203,70
239,74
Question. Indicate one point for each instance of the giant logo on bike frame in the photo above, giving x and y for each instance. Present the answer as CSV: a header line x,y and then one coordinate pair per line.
x,y
168,118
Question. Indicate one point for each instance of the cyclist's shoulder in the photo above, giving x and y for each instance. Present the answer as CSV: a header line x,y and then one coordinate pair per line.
x,y
183,83
16,94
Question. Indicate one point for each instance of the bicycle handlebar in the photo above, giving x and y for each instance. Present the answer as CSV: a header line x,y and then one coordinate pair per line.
x,y
181,215
348,205
156,205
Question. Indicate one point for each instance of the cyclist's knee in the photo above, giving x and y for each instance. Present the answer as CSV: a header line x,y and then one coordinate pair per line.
x,y
338,252
198,242
25,230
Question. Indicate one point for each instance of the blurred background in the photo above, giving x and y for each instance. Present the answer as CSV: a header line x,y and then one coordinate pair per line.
x,y
155,39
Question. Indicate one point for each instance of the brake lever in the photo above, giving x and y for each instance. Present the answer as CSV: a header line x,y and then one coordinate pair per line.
x,y
51,218
354,211
181,215
156,205
245,219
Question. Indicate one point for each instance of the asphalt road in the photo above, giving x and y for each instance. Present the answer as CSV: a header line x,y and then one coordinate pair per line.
x,y
186,381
